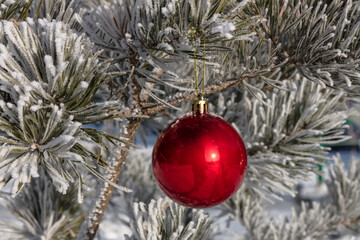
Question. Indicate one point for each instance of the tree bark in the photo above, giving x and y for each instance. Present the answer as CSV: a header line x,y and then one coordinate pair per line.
x,y
103,194
104,191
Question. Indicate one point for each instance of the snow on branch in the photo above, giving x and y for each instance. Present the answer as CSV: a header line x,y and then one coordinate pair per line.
x,y
311,221
320,38
328,53
136,175
59,10
308,223
159,38
48,79
12,8
344,188
320,221
156,25
170,221
42,212
247,208
288,135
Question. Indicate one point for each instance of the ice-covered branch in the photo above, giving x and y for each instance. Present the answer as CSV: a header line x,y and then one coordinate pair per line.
x,y
12,8
53,81
104,191
42,212
179,98
344,188
170,221
285,138
320,38
309,222
158,37
136,175
48,79
60,11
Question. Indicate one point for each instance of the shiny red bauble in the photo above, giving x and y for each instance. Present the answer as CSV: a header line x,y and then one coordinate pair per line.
x,y
199,160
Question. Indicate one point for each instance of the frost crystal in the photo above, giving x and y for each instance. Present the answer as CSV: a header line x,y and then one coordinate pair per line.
x,y
42,119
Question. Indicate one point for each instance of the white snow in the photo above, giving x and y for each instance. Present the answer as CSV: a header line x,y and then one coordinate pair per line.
x,y
8,2
224,29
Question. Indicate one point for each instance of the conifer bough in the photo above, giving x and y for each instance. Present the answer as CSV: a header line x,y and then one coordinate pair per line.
x,y
281,72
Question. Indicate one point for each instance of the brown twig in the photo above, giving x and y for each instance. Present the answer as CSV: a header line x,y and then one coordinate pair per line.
x,y
151,110
349,221
333,225
103,195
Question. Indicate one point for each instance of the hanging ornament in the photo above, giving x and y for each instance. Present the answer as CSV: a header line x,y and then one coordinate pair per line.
x,y
199,160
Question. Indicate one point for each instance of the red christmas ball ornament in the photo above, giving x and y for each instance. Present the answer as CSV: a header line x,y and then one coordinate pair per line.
x,y
199,160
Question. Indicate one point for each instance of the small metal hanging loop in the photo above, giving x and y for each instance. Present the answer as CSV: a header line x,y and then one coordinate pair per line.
x,y
200,105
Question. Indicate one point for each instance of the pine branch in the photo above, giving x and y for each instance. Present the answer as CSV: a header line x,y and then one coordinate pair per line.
x,y
344,191
310,222
173,100
160,35
43,212
12,9
319,38
103,196
153,36
104,192
41,121
58,10
164,219
138,176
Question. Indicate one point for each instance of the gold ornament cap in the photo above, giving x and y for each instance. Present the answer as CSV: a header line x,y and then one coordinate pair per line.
x,y
200,105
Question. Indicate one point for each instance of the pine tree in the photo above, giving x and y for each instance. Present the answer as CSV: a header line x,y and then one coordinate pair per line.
x,y
79,80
